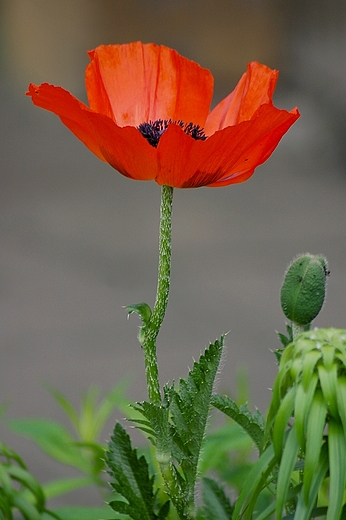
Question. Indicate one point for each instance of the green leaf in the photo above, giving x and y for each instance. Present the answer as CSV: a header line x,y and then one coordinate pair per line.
x,y
337,468
254,484
217,505
189,408
84,513
226,450
59,487
29,510
11,455
310,361
281,422
314,437
157,426
303,400
329,383
177,427
65,405
304,509
287,464
53,439
130,478
252,425
28,482
142,309
341,398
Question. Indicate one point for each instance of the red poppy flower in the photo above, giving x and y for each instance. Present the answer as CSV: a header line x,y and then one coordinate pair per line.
x,y
149,117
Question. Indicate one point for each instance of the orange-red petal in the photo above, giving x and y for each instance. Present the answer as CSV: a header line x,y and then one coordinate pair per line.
x,y
72,112
255,88
227,157
123,148
135,83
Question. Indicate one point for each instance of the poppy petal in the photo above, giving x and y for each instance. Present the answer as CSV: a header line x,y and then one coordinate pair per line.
x,y
245,146
136,83
123,148
72,112
229,156
255,88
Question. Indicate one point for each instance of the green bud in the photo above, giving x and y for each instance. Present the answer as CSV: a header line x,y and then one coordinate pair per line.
x,y
304,288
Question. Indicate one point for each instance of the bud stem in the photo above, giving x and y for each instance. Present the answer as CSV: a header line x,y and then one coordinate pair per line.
x,y
298,329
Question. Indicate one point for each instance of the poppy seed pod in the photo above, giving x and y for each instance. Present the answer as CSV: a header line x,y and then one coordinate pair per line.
x,y
304,288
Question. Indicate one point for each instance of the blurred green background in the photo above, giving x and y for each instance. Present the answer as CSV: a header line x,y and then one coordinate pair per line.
x,y
79,241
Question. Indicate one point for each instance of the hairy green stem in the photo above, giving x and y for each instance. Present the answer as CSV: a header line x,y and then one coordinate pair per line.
x,y
164,272
297,329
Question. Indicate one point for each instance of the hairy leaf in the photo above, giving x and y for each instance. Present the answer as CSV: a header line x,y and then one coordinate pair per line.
x,y
189,408
253,425
130,478
217,505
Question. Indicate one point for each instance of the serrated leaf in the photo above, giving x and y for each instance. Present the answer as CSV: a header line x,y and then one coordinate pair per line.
x,y
130,478
252,425
217,505
189,406
284,340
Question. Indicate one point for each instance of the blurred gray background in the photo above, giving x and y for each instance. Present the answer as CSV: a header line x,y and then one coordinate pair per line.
x,y
79,241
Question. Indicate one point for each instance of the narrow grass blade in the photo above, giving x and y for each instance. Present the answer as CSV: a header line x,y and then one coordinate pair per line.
x,y
287,464
281,422
314,437
253,484
302,404
337,469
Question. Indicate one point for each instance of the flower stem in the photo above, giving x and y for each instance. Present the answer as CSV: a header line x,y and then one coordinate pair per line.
x,y
164,271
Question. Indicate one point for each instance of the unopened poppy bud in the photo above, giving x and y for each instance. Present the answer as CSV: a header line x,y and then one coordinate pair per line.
x,y
304,288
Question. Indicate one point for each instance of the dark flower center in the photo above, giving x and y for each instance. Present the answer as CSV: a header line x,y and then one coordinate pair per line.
x,y
153,130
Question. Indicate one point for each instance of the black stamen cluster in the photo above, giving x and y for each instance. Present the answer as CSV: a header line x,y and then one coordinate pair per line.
x,y
153,130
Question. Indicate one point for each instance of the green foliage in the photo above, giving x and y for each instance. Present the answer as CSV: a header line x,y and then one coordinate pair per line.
x,y
177,428
142,309
131,479
21,496
217,505
85,513
144,312
305,432
227,454
82,450
253,425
